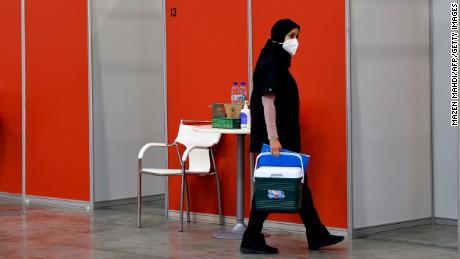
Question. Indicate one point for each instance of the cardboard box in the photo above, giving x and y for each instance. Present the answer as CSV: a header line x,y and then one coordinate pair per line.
x,y
226,110
233,111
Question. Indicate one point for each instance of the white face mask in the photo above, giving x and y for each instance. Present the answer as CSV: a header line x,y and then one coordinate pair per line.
x,y
291,46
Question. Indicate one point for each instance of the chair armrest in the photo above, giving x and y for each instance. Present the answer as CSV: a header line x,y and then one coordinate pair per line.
x,y
149,145
190,148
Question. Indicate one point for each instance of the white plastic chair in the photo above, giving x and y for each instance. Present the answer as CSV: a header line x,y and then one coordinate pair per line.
x,y
198,154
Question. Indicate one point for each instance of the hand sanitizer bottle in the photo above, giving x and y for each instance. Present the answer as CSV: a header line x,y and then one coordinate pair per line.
x,y
245,117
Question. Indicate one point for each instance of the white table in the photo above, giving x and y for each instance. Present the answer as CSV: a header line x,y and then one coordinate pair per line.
x,y
239,228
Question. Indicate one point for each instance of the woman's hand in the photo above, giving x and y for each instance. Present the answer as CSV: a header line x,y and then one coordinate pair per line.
x,y
275,146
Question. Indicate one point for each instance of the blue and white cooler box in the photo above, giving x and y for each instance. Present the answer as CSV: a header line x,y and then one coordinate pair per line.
x,y
278,181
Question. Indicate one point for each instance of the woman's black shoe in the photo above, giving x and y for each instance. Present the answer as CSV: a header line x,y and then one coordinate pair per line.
x,y
256,245
326,240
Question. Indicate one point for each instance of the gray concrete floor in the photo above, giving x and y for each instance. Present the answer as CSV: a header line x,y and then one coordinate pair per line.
x,y
429,235
37,231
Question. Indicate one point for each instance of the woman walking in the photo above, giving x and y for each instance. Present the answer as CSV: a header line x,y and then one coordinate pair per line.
x,y
275,120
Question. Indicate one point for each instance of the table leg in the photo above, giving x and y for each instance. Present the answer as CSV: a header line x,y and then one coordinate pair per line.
x,y
239,228
251,177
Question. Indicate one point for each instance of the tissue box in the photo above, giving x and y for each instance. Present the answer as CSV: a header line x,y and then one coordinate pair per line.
x,y
224,123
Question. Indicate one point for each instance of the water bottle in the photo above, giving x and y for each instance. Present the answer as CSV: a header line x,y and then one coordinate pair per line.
x,y
244,92
235,93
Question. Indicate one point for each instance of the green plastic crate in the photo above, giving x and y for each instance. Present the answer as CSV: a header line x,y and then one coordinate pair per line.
x,y
224,123
291,188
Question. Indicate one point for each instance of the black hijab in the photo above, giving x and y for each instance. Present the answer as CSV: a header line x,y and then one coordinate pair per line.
x,y
281,28
274,47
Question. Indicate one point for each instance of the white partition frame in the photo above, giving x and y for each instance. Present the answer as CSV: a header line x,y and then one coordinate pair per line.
x,y
349,118
351,225
458,181
146,115
390,144
445,151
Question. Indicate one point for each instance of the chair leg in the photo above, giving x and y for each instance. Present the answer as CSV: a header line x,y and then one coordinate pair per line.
x,y
181,216
219,199
187,199
166,198
139,199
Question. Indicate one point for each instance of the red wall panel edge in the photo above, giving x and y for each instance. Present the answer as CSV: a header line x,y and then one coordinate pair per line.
x,y
10,98
223,62
57,126
320,71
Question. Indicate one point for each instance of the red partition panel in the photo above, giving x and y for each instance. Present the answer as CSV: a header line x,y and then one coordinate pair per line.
x,y
10,97
57,114
206,52
319,68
